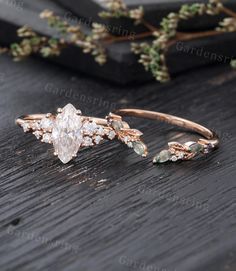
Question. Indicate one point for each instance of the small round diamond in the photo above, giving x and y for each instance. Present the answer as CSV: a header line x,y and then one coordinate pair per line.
x,y
37,134
46,124
88,141
97,139
46,138
100,131
181,155
89,128
25,127
130,144
35,126
173,158
111,135
126,139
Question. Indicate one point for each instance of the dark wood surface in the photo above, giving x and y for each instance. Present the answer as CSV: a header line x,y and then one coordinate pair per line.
x,y
110,209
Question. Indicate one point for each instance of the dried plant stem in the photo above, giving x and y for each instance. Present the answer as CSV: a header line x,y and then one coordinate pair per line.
x,y
149,26
180,36
152,51
113,39
228,12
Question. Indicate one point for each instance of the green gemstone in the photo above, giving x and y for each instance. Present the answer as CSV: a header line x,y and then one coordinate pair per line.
x,y
196,148
139,148
117,125
162,157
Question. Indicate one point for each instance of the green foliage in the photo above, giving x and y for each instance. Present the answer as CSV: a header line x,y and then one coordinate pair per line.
x,y
117,9
152,54
233,63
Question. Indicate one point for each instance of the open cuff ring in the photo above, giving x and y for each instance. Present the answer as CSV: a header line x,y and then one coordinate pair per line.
x,y
178,151
69,131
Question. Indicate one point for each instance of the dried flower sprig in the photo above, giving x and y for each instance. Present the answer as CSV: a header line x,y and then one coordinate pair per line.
x,y
75,35
118,9
48,47
33,43
152,55
227,25
233,63
153,59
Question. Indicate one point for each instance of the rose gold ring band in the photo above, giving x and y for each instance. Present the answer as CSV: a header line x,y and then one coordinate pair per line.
x,y
69,131
178,151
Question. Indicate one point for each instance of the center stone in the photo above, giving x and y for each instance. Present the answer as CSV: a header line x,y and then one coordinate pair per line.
x,y
66,133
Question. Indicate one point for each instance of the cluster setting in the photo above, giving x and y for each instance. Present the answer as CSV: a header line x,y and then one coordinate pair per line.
x,y
69,131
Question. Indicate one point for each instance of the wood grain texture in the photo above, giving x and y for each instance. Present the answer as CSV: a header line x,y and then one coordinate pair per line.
x,y
110,209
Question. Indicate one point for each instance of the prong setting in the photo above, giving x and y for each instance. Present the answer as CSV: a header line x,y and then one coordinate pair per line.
x,y
59,110
69,131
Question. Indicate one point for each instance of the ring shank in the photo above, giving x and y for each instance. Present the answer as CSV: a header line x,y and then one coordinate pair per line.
x,y
177,121
38,117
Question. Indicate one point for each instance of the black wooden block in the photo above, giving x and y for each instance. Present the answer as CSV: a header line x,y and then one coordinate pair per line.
x,y
122,66
155,10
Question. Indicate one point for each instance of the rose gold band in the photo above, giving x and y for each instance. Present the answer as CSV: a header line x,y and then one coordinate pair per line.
x,y
176,150
69,131
38,117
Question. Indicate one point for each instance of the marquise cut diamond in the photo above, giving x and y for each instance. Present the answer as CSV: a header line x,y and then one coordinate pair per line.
x,y
66,133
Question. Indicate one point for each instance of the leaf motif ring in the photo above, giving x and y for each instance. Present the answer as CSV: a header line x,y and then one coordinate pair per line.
x,y
69,131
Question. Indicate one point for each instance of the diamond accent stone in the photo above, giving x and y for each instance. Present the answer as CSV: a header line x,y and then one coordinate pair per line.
x,y
37,134
35,126
65,138
46,124
130,144
180,155
88,141
127,139
25,127
97,139
111,135
89,128
47,138
100,131
174,158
